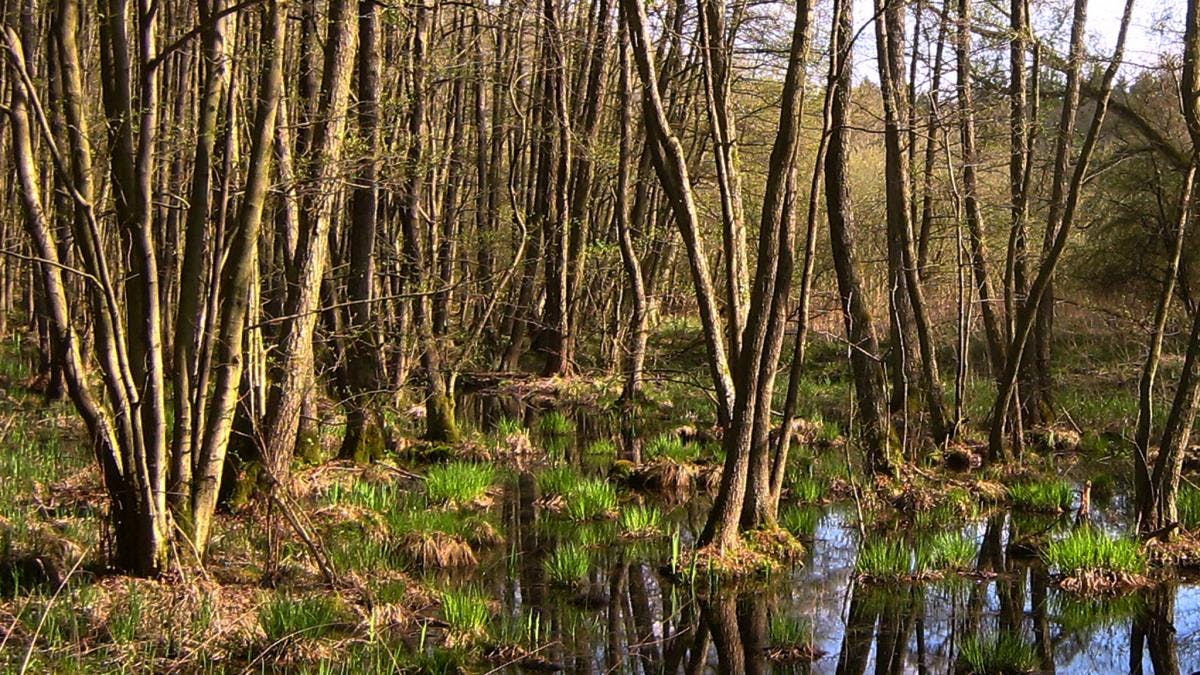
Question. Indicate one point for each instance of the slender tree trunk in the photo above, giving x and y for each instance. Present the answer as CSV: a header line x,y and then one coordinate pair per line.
x,y
863,346
1064,202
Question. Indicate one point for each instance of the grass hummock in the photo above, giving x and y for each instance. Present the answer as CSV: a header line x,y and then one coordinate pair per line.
x,y
1049,496
639,520
884,560
286,618
591,498
1091,560
459,482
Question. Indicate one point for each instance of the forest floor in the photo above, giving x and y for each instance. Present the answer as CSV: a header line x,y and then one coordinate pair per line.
x,y
532,545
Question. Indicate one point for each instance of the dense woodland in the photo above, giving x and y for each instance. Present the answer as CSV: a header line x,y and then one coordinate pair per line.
x,y
244,240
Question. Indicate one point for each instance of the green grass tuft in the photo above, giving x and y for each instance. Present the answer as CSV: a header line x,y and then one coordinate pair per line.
x,y
806,489
555,423
801,521
459,482
790,632
591,498
1090,550
881,559
946,551
602,448
285,618
558,480
1188,504
508,426
466,610
670,446
640,521
1053,495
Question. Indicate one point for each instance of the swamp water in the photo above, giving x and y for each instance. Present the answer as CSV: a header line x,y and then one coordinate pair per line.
x,y
630,616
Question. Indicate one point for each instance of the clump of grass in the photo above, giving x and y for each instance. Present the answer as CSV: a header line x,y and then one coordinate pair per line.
x,y
436,537
525,630
1188,504
558,480
372,496
466,611
591,498
555,423
602,448
946,551
1079,614
286,618
459,482
791,638
356,550
806,489
641,521
582,498
508,426
801,521
1003,654
568,565
672,447
1088,549
1054,495
883,560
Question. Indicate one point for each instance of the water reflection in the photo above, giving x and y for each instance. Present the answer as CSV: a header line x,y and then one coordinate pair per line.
x,y
629,618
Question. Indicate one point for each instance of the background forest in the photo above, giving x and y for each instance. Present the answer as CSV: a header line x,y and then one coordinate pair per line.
x,y
381,336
